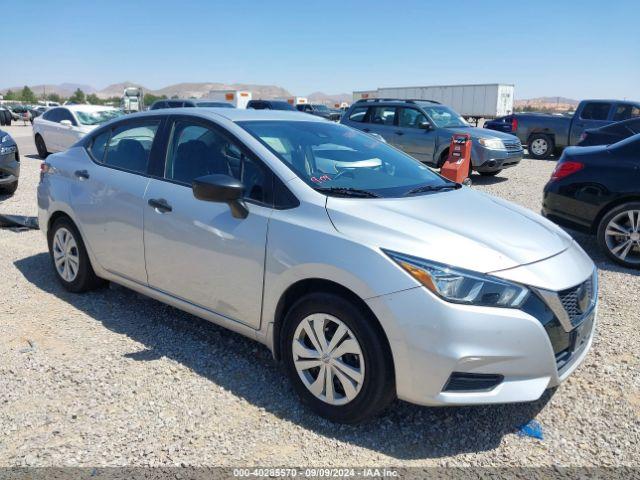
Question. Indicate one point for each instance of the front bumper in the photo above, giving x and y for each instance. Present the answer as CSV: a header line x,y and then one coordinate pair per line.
x,y
9,165
432,339
485,160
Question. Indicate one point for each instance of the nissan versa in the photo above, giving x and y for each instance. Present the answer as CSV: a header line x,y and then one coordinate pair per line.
x,y
369,276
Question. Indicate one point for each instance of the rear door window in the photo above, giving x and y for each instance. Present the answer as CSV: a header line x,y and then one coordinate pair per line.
x,y
595,111
358,114
383,116
624,111
130,146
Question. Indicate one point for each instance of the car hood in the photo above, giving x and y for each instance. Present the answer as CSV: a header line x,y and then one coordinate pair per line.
x,y
462,228
481,133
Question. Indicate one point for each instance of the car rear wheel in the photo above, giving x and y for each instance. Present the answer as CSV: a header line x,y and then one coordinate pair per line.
x,y
9,188
336,359
619,234
69,257
41,147
540,146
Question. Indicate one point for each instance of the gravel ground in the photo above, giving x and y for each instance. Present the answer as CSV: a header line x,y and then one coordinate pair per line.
x,y
112,378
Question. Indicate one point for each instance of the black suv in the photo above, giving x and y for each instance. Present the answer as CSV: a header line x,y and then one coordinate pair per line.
x,y
318,110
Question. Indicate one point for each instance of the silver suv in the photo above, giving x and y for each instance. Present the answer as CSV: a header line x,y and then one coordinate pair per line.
x,y
423,129
369,276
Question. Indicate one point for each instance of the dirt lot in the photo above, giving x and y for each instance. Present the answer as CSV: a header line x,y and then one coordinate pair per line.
x,y
113,378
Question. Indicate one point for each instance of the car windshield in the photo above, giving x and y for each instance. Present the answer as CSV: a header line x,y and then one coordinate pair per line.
x,y
97,117
339,160
281,106
444,117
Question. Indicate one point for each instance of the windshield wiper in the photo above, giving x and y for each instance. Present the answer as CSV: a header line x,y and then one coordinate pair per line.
x,y
348,192
434,188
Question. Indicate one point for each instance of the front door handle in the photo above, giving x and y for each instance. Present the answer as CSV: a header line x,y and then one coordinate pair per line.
x,y
399,133
366,130
82,174
160,205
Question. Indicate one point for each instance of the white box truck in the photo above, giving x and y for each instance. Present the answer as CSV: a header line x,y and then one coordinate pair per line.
x,y
364,94
295,100
473,101
237,98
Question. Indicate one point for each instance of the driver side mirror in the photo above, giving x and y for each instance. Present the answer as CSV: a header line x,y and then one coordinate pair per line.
x,y
221,189
66,123
425,126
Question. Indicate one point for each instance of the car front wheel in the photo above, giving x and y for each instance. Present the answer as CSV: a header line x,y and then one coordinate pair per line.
x,y
619,234
69,257
336,358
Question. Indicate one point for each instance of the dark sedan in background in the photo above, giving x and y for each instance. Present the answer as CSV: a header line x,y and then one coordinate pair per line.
x,y
9,164
610,133
597,190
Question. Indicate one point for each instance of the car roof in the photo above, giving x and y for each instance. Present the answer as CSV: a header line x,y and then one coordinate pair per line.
x,y
233,114
393,102
86,108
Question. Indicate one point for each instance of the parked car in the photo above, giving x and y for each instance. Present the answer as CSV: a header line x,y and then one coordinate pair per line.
x,y
21,112
60,127
610,133
318,110
423,129
270,105
9,164
5,116
174,103
368,275
597,190
546,134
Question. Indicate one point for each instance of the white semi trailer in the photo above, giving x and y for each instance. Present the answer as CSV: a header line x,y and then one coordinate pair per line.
x,y
473,101
237,98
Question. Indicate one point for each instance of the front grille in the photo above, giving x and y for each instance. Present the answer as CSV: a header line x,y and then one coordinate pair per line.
x,y
577,300
512,146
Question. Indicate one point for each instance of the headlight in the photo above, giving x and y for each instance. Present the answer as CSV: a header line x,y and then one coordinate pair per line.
x,y
4,139
461,286
492,143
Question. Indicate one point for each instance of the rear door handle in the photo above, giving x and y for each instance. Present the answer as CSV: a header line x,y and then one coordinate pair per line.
x,y
82,174
399,133
160,205
366,130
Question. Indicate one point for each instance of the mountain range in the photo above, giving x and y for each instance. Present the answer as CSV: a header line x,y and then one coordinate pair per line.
x,y
182,90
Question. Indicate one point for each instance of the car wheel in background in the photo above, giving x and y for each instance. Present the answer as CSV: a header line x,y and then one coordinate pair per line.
x,y
619,234
69,257
490,174
336,358
10,188
540,146
41,147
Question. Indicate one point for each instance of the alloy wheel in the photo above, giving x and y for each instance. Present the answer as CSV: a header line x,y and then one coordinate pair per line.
x,y
328,359
539,146
66,255
622,236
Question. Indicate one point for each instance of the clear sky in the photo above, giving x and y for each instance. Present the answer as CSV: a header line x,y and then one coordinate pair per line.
x,y
576,48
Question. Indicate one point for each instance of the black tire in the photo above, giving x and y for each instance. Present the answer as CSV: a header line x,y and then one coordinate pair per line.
x,y
41,147
10,188
490,174
85,279
378,386
544,141
632,259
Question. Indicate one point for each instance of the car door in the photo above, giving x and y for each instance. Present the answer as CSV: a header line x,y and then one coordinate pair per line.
x,y
48,127
382,120
417,136
67,135
108,194
592,115
196,250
